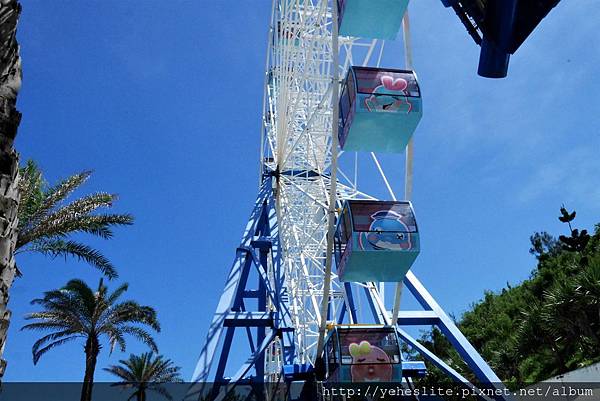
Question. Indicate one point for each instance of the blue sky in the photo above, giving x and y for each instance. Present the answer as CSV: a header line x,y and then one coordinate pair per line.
x,y
162,100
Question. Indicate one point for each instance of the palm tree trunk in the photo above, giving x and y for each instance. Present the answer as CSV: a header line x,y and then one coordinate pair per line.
x,y
92,349
141,395
10,83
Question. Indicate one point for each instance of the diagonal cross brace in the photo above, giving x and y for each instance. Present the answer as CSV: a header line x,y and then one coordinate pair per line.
x,y
434,314
232,292
246,366
481,369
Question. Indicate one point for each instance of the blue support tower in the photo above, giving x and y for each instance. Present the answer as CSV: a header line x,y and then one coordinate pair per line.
x,y
259,251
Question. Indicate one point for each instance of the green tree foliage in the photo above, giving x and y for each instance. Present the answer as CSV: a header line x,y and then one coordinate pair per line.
x,y
47,221
146,372
547,325
77,312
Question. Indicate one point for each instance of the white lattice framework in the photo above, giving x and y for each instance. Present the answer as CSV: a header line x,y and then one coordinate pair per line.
x,y
297,144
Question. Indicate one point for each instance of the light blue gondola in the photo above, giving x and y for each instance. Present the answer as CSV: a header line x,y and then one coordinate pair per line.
x,y
379,109
372,19
376,241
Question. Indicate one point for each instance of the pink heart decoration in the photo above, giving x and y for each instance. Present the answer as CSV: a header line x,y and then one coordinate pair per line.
x,y
398,84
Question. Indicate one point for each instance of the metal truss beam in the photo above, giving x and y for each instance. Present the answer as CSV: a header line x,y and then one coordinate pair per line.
x,y
433,314
259,248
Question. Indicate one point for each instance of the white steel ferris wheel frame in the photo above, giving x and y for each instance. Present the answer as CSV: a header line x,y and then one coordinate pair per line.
x,y
289,236
299,143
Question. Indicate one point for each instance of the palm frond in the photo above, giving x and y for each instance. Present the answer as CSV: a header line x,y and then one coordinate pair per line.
x,y
85,205
59,247
141,335
57,226
45,325
112,298
124,374
31,191
132,312
56,194
52,337
37,353
72,319
115,337
60,306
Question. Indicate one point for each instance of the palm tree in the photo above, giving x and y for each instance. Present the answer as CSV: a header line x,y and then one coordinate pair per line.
x,y
46,221
10,117
145,372
77,312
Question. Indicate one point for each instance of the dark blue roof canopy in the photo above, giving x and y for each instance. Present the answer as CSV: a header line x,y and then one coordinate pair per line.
x,y
500,27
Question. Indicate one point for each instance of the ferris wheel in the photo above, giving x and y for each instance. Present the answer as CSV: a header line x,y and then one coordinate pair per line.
x,y
305,287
